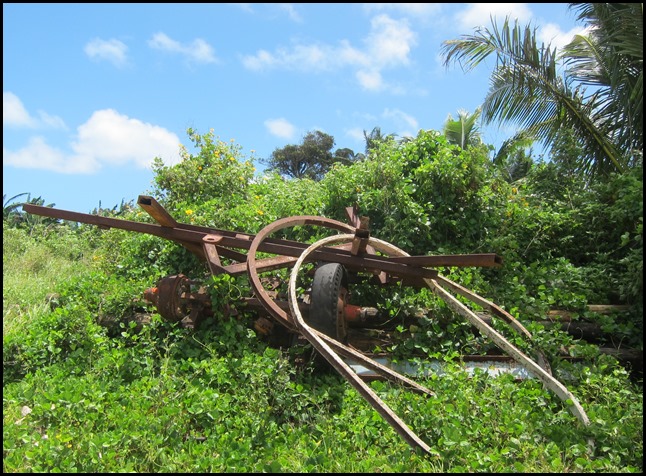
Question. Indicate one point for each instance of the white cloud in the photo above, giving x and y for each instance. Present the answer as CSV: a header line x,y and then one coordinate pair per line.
x,y
106,139
244,7
262,60
306,58
413,10
401,119
370,80
116,139
114,51
404,124
199,51
37,154
356,134
553,35
389,44
14,114
479,14
291,11
48,120
396,120
280,128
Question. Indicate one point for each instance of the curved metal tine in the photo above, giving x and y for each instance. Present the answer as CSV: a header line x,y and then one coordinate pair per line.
x,y
382,370
364,390
550,382
497,311
344,369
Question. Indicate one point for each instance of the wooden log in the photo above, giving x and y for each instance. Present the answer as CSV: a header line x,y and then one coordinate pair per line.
x,y
598,308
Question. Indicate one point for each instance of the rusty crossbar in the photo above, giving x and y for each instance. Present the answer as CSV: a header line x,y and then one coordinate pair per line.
x,y
209,244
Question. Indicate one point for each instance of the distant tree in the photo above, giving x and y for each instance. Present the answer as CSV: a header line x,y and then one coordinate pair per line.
x,y
347,156
463,131
10,206
310,159
375,137
13,214
116,210
513,159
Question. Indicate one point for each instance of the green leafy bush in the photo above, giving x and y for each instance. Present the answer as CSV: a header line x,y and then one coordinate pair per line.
x,y
82,397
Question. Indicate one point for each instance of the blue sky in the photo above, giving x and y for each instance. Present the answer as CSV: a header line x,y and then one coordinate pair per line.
x,y
93,92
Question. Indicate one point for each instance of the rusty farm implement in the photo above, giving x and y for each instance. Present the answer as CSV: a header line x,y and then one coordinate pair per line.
x,y
325,316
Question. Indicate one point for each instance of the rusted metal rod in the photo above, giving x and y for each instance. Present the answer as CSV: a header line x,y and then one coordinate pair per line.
x,y
191,235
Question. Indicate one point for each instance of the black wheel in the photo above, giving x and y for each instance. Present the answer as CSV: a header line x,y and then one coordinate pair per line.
x,y
327,301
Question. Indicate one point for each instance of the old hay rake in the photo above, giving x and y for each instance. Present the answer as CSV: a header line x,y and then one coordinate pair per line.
x,y
324,317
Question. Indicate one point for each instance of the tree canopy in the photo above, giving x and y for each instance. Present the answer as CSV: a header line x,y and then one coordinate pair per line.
x,y
310,159
544,90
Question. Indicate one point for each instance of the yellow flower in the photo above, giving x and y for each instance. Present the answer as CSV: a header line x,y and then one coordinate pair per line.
x,y
199,168
260,212
232,159
189,212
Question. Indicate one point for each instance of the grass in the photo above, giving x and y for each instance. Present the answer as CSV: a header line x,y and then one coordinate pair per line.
x,y
78,398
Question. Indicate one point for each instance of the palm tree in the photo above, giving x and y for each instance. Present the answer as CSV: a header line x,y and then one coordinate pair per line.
x,y
15,217
611,58
464,130
514,157
527,88
10,207
374,138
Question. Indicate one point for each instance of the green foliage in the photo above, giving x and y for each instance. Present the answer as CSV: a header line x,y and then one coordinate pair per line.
x,y
35,261
88,389
215,172
14,216
10,212
528,89
425,195
375,138
146,257
464,130
311,159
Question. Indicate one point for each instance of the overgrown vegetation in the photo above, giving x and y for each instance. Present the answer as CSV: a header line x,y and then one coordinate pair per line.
x,y
88,388
79,395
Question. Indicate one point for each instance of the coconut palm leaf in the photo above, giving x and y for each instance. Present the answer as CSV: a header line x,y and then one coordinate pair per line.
x,y
532,88
464,130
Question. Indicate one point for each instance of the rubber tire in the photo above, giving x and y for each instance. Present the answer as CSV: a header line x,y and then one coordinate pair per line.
x,y
330,281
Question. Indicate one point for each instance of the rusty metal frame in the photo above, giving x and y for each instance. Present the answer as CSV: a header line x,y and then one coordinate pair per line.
x,y
357,251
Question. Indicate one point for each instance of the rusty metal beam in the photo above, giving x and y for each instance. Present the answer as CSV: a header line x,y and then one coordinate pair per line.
x,y
189,234
155,210
434,261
